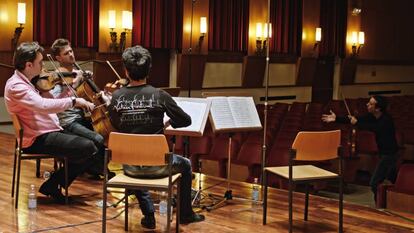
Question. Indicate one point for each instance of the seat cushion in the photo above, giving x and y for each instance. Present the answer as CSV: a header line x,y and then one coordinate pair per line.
x,y
302,172
123,180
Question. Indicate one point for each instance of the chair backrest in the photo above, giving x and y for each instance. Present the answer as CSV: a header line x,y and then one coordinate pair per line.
x,y
18,129
317,145
138,149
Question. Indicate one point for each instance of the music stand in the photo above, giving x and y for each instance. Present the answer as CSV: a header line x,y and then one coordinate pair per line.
x,y
198,109
230,115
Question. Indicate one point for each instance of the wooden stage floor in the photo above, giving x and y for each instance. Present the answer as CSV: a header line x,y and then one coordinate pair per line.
x,y
84,214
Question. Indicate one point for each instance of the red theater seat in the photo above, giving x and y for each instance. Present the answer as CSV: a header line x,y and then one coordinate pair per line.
x,y
399,196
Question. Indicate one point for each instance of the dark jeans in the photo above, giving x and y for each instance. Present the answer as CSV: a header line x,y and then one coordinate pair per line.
x,y
386,169
180,165
84,129
79,151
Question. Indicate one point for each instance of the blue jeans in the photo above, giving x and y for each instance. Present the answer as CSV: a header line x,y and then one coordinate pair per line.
x,y
180,165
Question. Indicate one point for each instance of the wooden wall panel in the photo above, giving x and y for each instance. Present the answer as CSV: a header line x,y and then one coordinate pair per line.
x,y
253,71
388,29
195,71
158,77
6,69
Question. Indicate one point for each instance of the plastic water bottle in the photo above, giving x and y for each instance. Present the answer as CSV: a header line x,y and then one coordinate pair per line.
x,y
163,204
163,211
32,199
46,175
255,191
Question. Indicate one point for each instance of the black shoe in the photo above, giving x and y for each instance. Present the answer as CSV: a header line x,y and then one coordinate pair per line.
x,y
192,218
148,221
53,192
100,176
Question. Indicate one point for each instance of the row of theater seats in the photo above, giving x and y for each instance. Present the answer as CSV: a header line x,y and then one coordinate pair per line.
x,y
284,121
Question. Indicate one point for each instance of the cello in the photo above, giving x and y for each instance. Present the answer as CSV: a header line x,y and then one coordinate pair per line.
x,y
91,92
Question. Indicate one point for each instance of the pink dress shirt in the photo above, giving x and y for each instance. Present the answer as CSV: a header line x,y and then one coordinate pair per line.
x,y
37,114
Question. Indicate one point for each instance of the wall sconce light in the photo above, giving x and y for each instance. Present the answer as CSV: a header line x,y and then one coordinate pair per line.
x,y
262,36
203,31
127,26
357,40
318,37
21,20
113,46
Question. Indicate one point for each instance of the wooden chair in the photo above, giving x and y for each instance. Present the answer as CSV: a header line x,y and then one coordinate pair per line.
x,y
153,151
19,156
309,146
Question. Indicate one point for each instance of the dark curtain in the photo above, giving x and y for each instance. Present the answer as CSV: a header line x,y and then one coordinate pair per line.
x,y
76,20
228,25
333,18
286,20
157,23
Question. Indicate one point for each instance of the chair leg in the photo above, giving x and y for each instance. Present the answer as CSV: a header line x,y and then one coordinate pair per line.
x,y
19,161
341,204
14,172
105,196
126,210
305,217
178,209
55,165
264,197
290,206
37,168
169,209
66,181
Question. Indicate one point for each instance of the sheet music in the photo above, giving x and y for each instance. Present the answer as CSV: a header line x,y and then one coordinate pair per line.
x,y
221,113
234,113
244,112
198,109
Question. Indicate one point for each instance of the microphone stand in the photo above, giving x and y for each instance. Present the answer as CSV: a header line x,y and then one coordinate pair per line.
x,y
186,140
264,146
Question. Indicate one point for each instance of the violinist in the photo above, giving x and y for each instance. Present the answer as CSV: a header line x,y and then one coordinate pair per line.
x,y
146,117
37,115
73,119
380,122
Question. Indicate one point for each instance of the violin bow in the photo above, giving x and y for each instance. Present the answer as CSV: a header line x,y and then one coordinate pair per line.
x,y
61,75
346,104
113,69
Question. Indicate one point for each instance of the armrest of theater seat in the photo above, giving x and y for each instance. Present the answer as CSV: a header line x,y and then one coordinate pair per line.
x,y
381,201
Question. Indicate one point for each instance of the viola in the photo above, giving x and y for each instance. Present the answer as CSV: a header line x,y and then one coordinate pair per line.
x,y
111,87
121,82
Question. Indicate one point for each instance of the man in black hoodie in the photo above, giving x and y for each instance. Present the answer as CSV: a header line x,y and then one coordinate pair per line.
x,y
380,122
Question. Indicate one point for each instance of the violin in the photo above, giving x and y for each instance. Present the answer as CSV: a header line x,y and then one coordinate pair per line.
x,y
47,80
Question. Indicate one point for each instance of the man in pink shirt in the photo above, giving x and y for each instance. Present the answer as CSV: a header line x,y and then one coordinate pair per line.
x,y
37,115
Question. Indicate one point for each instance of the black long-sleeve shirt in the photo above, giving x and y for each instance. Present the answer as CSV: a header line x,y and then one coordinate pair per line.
x,y
140,110
383,127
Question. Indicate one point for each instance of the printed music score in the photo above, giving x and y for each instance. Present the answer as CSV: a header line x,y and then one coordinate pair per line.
x,y
234,113
198,109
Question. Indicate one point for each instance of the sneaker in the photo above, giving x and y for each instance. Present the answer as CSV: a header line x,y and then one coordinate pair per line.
x,y
148,221
192,218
